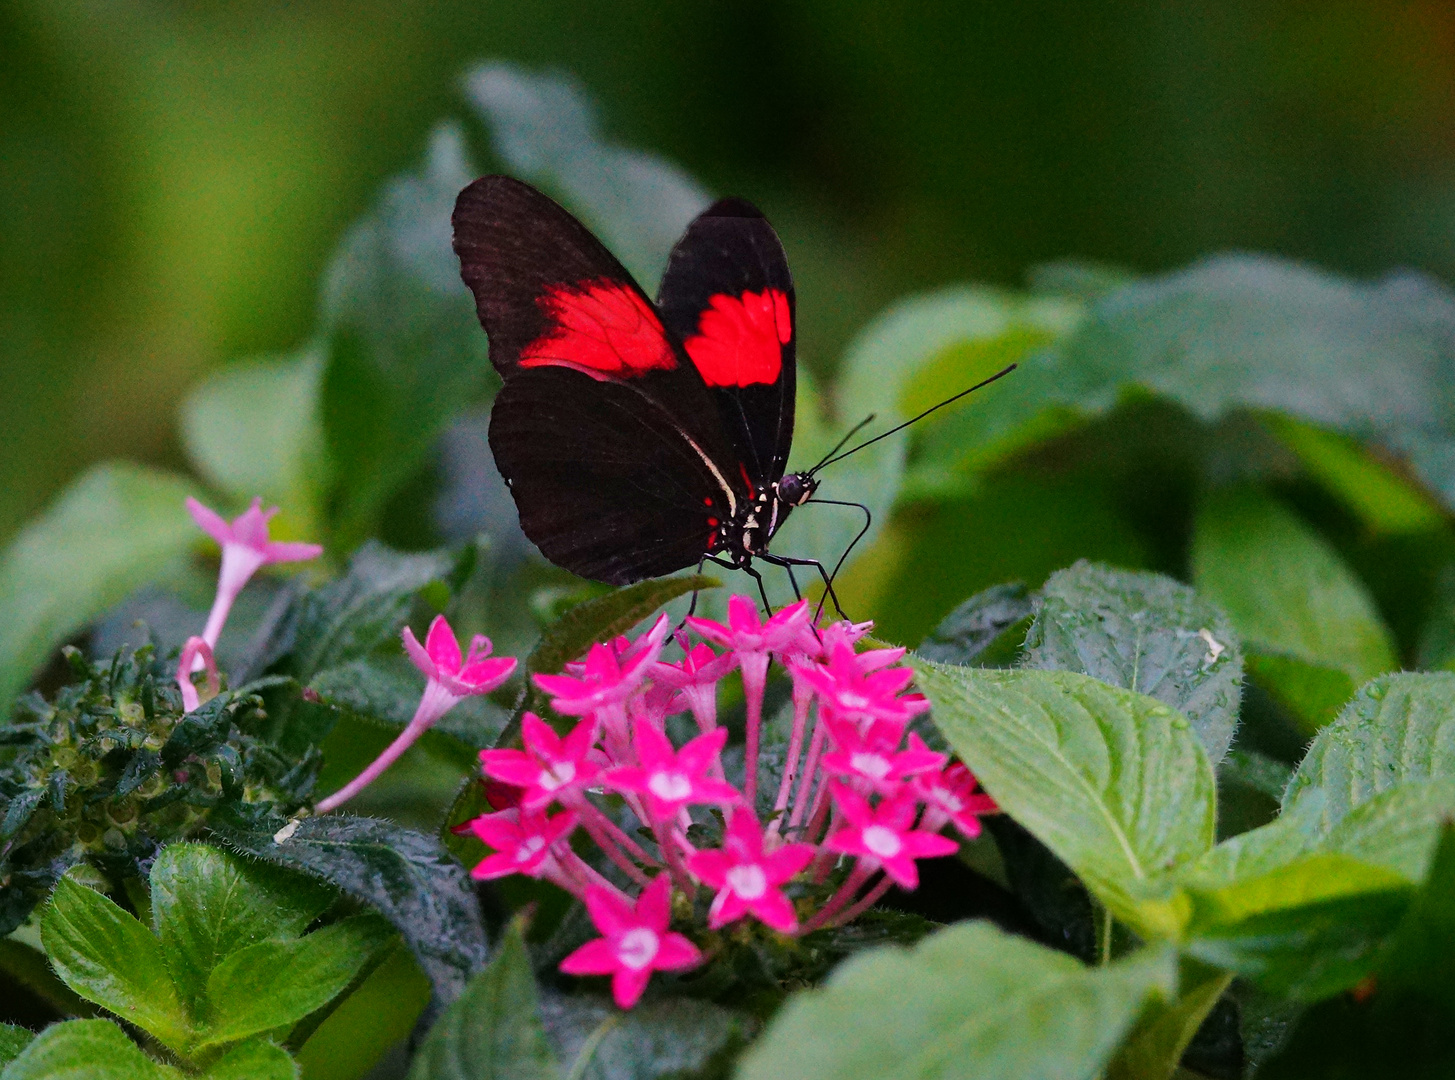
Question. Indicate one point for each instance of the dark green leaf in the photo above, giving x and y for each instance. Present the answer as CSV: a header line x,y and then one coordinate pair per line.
x,y
404,875
1156,1045
274,984
1147,633
208,904
1290,596
492,1030
109,958
29,968
388,689
255,1060
13,1040
969,630
1114,782
405,350
367,607
544,127
967,1002
114,529
85,1050
672,1037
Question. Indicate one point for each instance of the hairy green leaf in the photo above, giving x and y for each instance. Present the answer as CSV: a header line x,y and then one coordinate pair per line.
x,y
1147,633
1156,1045
403,875
1114,782
109,958
112,530
13,1040
85,1050
669,1037
253,1060
492,1030
387,689
969,1001
208,904
405,351
28,967
274,984
973,626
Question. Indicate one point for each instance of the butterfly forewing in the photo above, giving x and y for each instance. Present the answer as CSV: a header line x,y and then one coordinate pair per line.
x,y
728,296
604,430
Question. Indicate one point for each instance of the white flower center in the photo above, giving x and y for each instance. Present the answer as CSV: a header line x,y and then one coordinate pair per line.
x,y
883,842
637,948
669,786
748,881
529,848
874,766
850,700
558,775
948,801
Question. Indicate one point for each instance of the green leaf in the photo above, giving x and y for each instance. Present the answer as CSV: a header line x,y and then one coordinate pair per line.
x,y
367,607
252,429
1251,769
109,958
1386,501
1292,599
112,530
1305,930
544,127
29,967
369,1022
1113,782
668,1037
493,1029
1147,633
968,631
1156,1045
208,904
387,689
969,1001
274,984
405,350
402,874
1397,829
13,1040
1397,728
85,1050
255,1060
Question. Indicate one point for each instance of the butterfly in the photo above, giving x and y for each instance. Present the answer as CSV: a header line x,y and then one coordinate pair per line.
x,y
639,437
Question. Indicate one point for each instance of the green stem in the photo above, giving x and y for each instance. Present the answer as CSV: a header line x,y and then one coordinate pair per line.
x,y
1104,923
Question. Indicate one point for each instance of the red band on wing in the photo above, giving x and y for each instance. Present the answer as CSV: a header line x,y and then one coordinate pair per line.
x,y
740,339
602,328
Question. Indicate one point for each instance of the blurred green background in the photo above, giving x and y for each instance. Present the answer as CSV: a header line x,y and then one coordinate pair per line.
x,y
174,176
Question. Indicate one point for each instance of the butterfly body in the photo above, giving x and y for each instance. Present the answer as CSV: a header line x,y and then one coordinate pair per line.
x,y
637,437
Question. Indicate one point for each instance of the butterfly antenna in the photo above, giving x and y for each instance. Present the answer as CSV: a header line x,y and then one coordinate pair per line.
x,y
840,444
836,456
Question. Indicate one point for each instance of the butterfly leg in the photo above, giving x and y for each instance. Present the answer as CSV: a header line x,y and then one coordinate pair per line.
x,y
786,562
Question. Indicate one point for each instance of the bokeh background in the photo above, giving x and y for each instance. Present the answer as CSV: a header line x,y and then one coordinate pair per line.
x,y
174,176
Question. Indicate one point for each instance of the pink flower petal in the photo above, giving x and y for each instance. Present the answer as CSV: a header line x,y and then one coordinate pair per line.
x,y
596,957
775,910
209,521
627,986
442,647
289,551
419,655
676,953
610,913
654,906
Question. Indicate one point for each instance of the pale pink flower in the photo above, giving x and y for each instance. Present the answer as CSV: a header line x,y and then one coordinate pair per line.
x,y
196,651
749,879
635,941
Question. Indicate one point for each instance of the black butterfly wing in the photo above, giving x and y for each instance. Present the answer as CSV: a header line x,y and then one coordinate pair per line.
x,y
728,296
604,430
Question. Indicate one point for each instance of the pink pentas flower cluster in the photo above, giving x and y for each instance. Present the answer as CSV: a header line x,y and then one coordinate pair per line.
x,y
860,800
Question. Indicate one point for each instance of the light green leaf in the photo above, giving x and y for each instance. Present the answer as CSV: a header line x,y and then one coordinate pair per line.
x,y
254,1060
372,1019
276,983
1396,729
109,958
13,1040
1155,1047
405,350
656,1040
208,904
113,529
1114,782
544,127
85,1050
493,1029
968,1002
252,429
1147,633
1397,829
1290,596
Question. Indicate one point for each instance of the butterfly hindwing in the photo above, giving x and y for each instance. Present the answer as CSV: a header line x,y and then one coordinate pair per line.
x,y
728,296
604,430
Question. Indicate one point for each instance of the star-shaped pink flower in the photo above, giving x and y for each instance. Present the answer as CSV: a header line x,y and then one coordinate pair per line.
x,y
745,632
550,768
872,756
695,678
748,879
862,686
462,675
885,836
949,795
522,842
608,677
671,779
245,549
635,941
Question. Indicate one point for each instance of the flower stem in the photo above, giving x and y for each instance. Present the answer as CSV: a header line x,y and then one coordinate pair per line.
x,y
841,896
755,677
801,702
435,702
